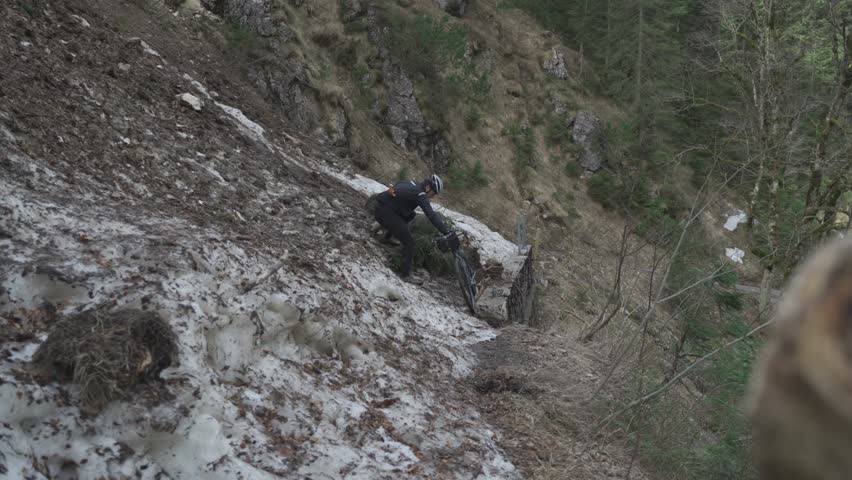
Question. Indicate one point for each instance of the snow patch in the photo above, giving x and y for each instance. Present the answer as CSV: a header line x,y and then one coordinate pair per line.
x,y
257,394
490,244
150,51
735,254
735,220
246,125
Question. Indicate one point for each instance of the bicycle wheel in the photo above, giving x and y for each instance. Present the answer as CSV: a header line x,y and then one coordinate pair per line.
x,y
465,276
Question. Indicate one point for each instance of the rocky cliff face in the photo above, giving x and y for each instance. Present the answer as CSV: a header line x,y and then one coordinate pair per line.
x,y
587,132
408,127
312,57
283,77
129,179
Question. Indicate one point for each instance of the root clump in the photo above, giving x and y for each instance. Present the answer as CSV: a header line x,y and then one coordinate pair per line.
x,y
107,353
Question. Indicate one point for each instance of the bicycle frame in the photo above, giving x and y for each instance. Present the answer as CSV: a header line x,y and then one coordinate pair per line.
x,y
464,272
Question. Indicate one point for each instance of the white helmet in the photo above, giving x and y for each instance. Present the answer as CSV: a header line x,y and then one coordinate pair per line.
x,y
437,184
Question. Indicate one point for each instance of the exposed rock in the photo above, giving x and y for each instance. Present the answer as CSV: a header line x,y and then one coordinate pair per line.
x,y
735,220
453,7
215,6
559,106
144,46
408,127
403,117
287,83
555,65
281,78
341,125
403,111
511,299
375,32
588,133
81,20
352,9
256,15
735,254
398,135
191,100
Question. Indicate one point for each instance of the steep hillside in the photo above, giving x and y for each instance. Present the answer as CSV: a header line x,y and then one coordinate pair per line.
x,y
299,354
207,162
487,96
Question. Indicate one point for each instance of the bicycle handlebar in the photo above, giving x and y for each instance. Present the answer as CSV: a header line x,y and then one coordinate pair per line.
x,y
447,243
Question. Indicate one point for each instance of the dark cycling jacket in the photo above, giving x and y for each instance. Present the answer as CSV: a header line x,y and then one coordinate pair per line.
x,y
404,197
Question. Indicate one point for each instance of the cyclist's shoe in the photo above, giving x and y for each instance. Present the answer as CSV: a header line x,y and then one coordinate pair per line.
x,y
388,239
413,279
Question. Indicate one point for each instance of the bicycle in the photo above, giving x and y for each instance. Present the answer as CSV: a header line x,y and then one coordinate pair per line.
x,y
464,272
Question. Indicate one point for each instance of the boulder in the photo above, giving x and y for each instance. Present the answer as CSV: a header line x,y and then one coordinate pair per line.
x,y
509,298
191,101
587,132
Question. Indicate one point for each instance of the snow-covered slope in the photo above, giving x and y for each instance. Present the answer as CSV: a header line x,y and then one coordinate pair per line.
x,y
302,355
244,401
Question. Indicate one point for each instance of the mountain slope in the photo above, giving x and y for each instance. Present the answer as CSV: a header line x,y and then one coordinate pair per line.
x,y
300,353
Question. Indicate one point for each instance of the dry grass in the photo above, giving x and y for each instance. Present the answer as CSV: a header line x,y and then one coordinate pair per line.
x,y
107,353
536,388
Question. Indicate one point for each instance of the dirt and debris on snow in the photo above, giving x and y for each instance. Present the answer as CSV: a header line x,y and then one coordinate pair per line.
x,y
126,185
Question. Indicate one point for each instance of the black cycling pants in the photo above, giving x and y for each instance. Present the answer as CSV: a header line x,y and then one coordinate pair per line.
x,y
399,229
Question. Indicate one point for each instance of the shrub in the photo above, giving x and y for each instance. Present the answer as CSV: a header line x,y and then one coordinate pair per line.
x,y
727,278
729,300
325,38
403,174
426,255
347,57
605,189
473,118
573,169
355,26
242,41
523,139
461,177
33,8
556,133
425,45
433,51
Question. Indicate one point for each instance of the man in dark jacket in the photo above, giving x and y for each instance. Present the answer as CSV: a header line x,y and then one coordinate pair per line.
x,y
395,208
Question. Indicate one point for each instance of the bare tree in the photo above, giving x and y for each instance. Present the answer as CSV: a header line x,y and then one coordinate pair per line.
x,y
758,47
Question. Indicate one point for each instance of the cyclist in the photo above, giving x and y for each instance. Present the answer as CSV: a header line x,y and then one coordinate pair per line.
x,y
395,209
